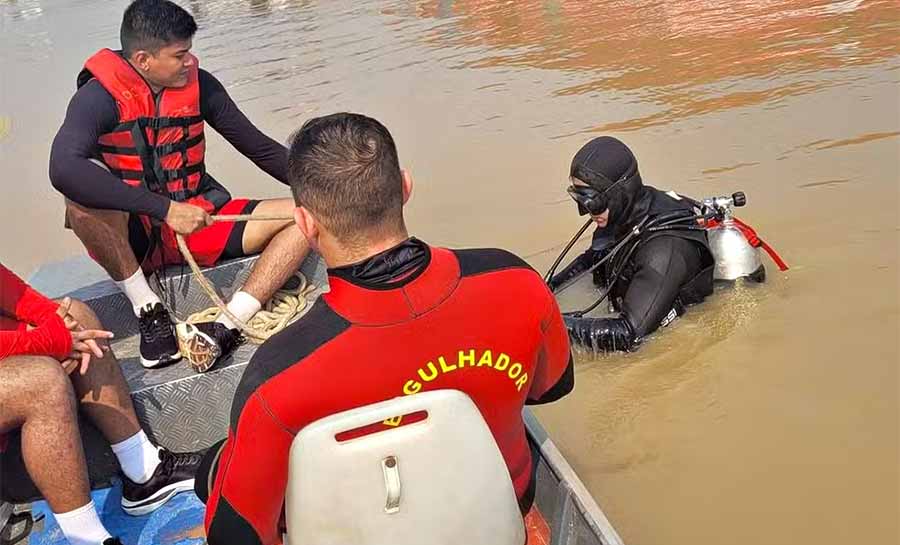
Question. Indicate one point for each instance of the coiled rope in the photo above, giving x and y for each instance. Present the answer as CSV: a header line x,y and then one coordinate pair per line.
x,y
284,308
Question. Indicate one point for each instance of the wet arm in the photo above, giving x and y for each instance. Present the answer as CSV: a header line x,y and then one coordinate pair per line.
x,y
575,269
662,266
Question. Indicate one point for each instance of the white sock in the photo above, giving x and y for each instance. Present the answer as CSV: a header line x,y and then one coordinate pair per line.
x,y
243,306
137,456
138,291
82,526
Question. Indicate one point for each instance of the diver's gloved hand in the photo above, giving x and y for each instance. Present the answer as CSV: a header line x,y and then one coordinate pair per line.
x,y
575,269
601,334
599,275
563,277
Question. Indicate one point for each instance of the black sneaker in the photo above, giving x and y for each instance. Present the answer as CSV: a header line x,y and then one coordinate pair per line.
x,y
174,474
112,541
158,344
206,343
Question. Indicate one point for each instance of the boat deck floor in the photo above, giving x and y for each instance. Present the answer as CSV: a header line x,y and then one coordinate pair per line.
x,y
178,522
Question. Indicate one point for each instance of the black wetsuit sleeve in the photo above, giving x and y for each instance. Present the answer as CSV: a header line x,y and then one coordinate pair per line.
x,y
91,113
574,269
601,334
227,119
662,266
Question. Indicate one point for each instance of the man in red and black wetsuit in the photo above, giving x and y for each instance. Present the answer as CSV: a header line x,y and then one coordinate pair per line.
x,y
401,317
52,363
140,112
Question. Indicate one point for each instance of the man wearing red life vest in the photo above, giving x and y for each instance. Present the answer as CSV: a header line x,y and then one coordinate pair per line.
x,y
53,365
401,317
141,113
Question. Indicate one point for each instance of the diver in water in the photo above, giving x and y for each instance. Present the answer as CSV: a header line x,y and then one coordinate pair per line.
x,y
650,252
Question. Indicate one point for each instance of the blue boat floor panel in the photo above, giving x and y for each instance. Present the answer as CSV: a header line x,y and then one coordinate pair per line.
x,y
178,522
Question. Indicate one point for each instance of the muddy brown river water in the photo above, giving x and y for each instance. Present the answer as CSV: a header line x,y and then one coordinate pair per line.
x,y
768,415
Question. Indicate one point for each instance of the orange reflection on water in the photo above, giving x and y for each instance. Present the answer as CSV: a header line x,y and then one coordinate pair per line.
x,y
681,58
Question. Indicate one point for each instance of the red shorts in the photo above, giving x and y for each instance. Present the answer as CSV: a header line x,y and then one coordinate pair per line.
x,y
209,245
8,324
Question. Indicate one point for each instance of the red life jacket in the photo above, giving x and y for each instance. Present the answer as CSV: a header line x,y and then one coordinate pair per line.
x,y
159,140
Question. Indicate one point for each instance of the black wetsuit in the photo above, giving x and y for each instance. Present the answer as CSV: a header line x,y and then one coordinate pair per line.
x,y
92,112
666,272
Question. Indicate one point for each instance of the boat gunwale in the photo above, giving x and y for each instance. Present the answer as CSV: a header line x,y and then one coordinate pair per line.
x,y
566,475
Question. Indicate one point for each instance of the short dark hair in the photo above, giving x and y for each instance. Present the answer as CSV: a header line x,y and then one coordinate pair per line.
x,y
153,24
344,168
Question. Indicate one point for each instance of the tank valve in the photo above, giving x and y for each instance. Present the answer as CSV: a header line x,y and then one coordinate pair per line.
x,y
724,205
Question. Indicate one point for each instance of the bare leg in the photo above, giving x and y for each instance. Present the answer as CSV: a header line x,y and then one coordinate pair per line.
x,y
104,233
36,396
102,392
283,248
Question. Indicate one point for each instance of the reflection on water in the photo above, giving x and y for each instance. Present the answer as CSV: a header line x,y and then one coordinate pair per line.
x,y
21,10
772,407
676,58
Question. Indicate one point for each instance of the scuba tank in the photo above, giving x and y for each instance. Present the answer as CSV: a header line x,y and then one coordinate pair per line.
x,y
734,244
735,257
